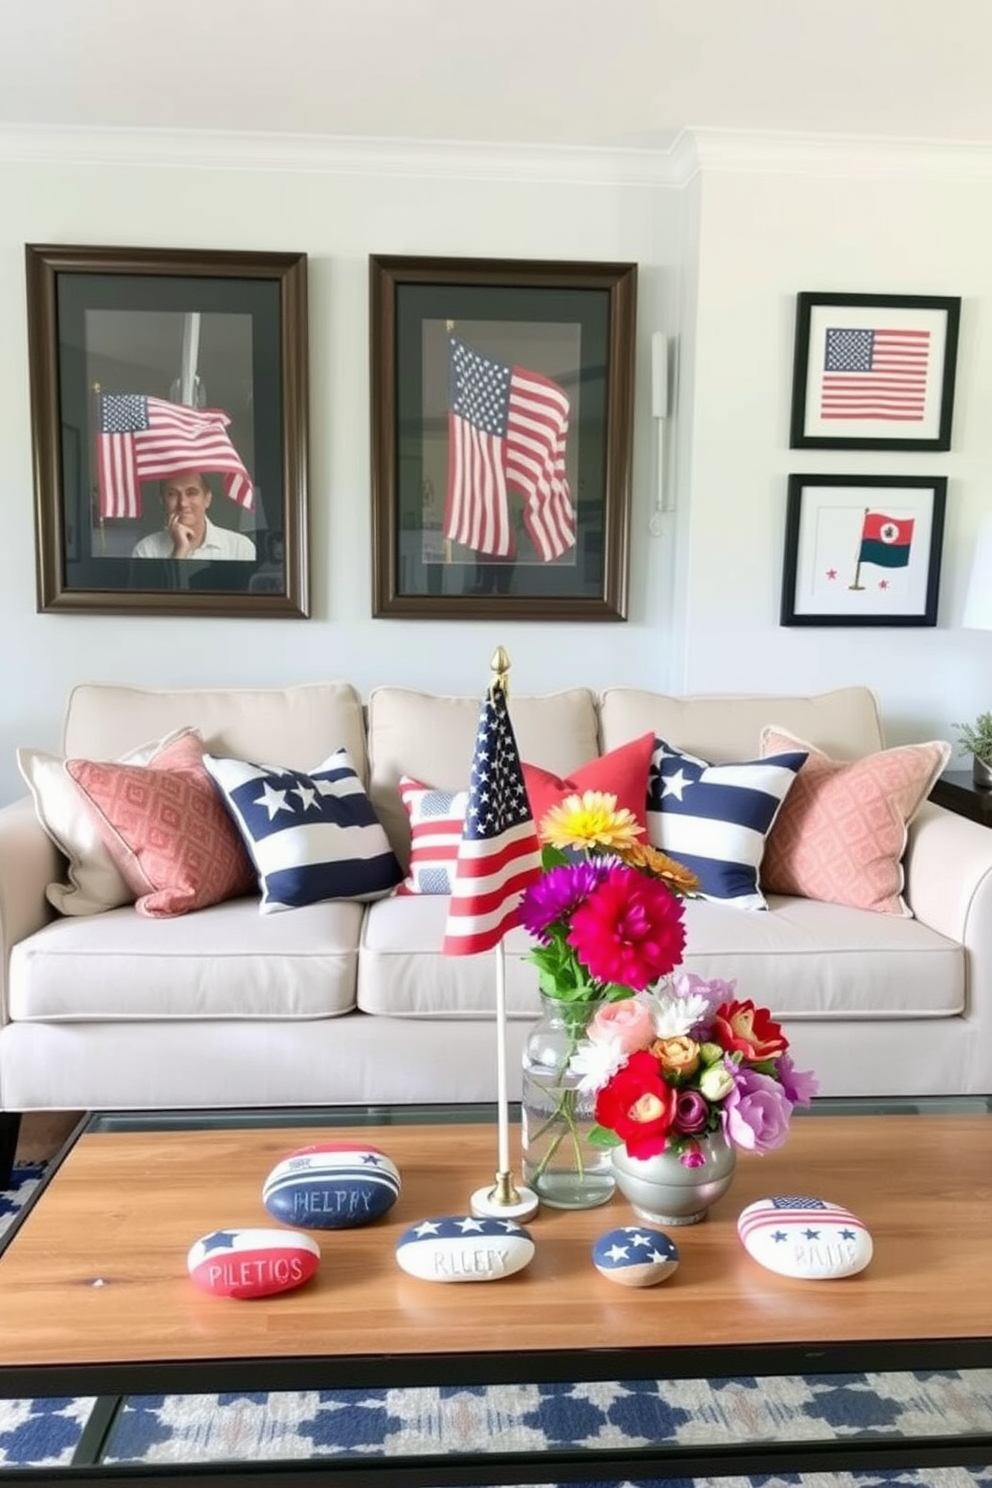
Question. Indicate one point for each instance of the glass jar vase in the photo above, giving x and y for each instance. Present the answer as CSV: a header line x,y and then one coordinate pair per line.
x,y
559,1163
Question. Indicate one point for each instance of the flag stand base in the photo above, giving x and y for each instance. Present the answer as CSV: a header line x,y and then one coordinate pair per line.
x,y
505,1201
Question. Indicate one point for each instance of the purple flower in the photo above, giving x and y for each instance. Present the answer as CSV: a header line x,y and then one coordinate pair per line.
x,y
756,1112
799,1085
691,1158
557,894
715,992
691,1112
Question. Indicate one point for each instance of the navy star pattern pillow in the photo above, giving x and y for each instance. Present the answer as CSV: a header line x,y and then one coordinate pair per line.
x,y
312,835
715,818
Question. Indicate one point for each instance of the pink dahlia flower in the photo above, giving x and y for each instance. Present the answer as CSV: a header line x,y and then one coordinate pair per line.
x,y
630,930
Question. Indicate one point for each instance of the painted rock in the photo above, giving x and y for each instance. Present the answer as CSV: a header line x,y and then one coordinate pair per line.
x,y
805,1237
458,1247
252,1263
331,1186
635,1256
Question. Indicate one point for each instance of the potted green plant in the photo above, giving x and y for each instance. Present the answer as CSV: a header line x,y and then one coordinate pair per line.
x,y
976,738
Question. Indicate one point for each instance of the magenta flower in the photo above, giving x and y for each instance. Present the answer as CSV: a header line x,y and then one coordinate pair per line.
x,y
800,1086
557,894
692,1112
629,931
756,1113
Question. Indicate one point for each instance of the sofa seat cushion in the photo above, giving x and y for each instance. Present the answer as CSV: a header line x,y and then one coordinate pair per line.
x,y
805,959
227,961
402,972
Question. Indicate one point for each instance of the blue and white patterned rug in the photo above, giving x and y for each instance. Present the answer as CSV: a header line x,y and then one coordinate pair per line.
x,y
525,1418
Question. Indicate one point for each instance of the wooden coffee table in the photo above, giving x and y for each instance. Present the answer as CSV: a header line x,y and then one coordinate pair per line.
x,y
95,1299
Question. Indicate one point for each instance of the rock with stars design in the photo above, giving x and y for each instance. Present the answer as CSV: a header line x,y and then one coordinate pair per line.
x,y
459,1247
635,1256
805,1237
332,1186
252,1263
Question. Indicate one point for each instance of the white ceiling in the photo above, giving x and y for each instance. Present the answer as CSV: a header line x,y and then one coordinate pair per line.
x,y
623,73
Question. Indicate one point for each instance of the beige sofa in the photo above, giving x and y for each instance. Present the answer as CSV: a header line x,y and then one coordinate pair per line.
x,y
351,1003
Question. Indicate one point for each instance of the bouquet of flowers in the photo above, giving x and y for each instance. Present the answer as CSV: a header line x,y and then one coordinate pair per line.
x,y
663,1061
607,913
668,1068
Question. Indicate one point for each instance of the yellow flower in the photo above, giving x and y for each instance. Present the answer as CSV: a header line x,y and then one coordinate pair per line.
x,y
590,820
676,876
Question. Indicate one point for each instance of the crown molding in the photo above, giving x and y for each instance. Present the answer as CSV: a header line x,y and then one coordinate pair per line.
x,y
332,155
867,157
671,161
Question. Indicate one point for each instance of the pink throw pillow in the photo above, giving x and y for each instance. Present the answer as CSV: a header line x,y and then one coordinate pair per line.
x,y
166,830
841,832
623,773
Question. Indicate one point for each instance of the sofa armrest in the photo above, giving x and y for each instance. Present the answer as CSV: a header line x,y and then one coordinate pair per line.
x,y
29,862
948,868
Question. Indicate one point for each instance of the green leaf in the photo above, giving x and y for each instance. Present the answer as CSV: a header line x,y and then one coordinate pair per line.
x,y
601,1136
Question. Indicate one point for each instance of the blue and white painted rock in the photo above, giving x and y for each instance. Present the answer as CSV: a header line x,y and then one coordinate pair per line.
x,y
459,1247
332,1186
252,1263
635,1255
805,1237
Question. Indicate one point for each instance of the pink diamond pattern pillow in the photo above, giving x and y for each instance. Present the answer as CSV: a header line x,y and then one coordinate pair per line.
x,y
166,830
841,833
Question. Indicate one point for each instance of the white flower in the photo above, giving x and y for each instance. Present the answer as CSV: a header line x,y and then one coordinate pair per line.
x,y
673,1016
597,1063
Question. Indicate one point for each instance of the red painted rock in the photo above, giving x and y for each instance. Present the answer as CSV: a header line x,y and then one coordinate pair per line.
x,y
252,1263
332,1186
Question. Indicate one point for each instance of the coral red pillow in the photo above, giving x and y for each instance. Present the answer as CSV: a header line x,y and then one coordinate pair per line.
x,y
166,829
622,773
841,832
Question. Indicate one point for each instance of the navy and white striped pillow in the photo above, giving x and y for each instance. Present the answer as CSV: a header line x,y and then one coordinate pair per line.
x,y
312,835
715,818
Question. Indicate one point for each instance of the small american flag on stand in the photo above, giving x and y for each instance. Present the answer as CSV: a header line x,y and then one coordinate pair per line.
x,y
141,438
499,854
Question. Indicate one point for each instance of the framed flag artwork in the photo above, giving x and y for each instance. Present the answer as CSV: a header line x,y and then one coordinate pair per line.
x,y
874,371
863,549
502,412
169,430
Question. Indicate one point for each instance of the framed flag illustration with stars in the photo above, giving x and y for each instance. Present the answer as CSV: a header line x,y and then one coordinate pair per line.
x,y
169,430
863,550
874,371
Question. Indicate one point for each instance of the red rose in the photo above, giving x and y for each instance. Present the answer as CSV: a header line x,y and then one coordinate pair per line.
x,y
638,1105
741,1028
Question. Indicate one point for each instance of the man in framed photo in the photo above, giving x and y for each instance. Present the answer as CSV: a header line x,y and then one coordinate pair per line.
x,y
187,531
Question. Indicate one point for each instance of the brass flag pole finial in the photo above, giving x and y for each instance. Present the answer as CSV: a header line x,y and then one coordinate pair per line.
x,y
500,664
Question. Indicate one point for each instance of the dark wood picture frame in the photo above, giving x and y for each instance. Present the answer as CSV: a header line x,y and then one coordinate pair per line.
x,y
874,372
476,512
863,550
136,327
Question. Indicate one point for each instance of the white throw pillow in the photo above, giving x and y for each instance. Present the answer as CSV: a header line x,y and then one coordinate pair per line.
x,y
94,884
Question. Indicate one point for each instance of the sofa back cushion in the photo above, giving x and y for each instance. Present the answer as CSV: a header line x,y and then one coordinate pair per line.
x,y
294,725
431,737
845,723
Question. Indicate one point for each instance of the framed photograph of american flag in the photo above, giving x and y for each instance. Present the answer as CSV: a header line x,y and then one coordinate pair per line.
x,y
169,430
874,371
863,549
502,412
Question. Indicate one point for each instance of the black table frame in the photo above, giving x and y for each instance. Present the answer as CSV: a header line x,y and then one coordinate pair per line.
x,y
111,1383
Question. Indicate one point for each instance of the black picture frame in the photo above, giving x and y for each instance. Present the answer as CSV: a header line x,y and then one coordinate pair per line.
x,y
462,352
839,526
874,372
149,325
